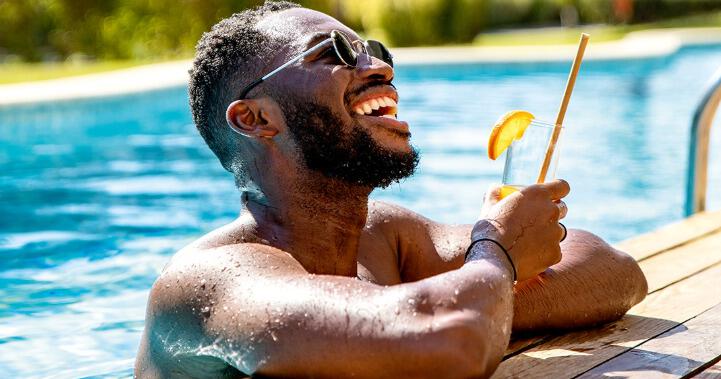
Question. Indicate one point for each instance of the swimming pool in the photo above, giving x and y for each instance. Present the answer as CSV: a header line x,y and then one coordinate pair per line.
x,y
97,194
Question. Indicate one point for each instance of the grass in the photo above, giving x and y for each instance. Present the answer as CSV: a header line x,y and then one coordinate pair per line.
x,y
25,72
600,33
549,36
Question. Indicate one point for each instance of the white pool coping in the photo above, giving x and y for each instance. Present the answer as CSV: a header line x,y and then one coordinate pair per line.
x,y
636,45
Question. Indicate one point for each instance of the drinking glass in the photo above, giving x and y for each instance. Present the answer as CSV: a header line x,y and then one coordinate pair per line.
x,y
525,156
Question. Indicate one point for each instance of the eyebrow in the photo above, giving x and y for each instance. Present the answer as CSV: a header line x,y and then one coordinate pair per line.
x,y
316,38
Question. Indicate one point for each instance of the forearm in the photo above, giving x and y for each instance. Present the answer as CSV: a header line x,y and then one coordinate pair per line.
x,y
455,324
478,295
593,283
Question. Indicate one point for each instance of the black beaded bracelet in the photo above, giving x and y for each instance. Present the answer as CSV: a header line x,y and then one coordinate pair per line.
x,y
515,275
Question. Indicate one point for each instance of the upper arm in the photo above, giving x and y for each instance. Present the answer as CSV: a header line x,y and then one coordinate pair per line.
x,y
258,310
425,247
343,324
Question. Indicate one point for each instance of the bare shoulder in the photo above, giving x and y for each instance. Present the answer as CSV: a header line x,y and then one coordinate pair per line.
x,y
396,218
195,281
425,247
381,213
196,274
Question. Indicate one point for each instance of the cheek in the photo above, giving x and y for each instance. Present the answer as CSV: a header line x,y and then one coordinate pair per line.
x,y
332,83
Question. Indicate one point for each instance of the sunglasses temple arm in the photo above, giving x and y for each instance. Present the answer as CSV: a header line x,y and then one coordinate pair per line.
x,y
286,64
249,87
297,58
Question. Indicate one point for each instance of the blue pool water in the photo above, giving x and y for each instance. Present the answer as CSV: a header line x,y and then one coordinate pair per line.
x,y
96,195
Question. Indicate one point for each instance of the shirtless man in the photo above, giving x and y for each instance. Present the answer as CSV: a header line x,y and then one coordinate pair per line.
x,y
315,280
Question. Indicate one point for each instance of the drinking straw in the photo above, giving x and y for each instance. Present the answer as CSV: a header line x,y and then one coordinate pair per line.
x,y
564,105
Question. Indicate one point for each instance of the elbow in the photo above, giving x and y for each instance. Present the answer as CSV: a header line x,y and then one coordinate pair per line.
x,y
633,284
465,338
469,344
624,288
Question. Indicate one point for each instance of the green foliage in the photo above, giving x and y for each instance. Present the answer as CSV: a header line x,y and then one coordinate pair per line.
x,y
420,22
42,30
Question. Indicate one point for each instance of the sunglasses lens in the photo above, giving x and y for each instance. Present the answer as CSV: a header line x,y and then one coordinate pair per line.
x,y
344,49
376,49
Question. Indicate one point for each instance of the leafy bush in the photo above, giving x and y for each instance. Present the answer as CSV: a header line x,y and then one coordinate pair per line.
x,y
35,30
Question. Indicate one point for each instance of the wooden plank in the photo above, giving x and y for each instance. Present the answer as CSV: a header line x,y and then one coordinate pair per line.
x,y
519,344
661,270
679,263
576,352
713,372
672,235
680,351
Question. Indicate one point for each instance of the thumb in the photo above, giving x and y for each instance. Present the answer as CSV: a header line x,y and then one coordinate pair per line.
x,y
491,198
493,195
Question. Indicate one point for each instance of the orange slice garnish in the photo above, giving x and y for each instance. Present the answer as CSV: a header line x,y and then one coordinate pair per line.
x,y
508,128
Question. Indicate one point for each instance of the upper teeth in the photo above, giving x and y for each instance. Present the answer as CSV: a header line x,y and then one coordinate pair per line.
x,y
368,106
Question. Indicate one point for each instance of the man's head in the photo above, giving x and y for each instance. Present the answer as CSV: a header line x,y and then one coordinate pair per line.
x,y
308,114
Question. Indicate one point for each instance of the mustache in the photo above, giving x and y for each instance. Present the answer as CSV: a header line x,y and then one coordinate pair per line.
x,y
357,91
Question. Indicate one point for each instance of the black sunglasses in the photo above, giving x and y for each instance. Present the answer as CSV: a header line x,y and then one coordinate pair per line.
x,y
345,50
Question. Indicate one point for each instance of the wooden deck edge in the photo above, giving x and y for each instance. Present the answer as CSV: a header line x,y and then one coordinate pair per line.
x,y
713,371
659,352
707,223
691,296
671,236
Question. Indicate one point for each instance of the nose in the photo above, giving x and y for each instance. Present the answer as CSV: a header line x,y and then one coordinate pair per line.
x,y
369,67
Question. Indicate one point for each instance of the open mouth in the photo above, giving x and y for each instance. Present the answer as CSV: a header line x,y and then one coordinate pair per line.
x,y
382,106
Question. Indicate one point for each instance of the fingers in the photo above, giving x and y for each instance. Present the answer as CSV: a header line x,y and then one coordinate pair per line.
x,y
557,189
562,209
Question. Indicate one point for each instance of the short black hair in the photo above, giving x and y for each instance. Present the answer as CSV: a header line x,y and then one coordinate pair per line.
x,y
226,60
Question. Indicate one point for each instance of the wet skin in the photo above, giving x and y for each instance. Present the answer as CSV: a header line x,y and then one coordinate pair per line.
x,y
314,280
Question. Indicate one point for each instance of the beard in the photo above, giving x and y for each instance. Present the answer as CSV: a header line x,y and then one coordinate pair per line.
x,y
351,156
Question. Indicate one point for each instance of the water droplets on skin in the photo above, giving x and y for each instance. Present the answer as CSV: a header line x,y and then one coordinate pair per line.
x,y
456,291
205,311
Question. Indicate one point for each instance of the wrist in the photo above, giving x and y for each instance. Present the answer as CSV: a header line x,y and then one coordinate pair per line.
x,y
487,228
484,248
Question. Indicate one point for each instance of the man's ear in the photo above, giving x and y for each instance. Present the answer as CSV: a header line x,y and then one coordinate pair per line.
x,y
250,117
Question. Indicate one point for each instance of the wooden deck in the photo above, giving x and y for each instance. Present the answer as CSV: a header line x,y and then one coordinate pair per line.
x,y
674,333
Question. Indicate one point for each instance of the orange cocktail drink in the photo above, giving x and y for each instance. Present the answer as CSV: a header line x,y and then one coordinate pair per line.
x,y
525,156
525,141
532,145
508,189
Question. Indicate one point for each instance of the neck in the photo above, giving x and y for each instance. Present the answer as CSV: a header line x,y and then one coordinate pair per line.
x,y
317,220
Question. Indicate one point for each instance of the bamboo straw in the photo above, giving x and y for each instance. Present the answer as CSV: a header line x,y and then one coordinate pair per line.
x,y
564,105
